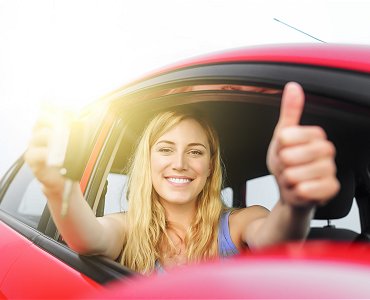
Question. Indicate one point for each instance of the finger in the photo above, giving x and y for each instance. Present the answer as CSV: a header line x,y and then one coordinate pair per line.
x,y
295,135
45,120
292,104
306,153
40,137
316,170
48,176
36,156
320,190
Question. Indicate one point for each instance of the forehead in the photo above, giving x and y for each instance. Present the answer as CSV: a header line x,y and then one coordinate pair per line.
x,y
188,130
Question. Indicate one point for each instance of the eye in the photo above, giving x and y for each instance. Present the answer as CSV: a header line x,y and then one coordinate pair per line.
x,y
165,150
195,152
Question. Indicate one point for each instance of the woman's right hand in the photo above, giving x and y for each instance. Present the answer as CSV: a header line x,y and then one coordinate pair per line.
x,y
36,157
81,230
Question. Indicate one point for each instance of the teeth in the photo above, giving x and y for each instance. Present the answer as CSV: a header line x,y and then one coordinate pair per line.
x,y
178,180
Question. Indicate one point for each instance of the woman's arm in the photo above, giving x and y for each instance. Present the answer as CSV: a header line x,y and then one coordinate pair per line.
x,y
283,223
82,231
302,161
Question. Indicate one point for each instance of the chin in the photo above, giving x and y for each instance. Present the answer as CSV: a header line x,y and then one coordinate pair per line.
x,y
177,200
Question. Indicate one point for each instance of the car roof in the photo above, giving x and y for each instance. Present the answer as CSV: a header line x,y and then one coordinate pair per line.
x,y
344,57
341,56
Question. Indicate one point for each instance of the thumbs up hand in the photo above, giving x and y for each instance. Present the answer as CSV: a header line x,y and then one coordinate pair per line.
x,y
300,157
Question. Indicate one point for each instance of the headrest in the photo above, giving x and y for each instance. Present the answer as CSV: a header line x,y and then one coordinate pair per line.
x,y
341,204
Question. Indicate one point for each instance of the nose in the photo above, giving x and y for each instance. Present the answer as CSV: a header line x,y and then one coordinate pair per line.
x,y
179,162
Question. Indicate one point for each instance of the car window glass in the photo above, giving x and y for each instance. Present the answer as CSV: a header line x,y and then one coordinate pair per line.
x,y
24,198
227,196
115,198
264,191
33,200
116,201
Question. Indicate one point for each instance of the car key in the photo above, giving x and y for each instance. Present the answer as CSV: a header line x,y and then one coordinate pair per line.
x,y
74,160
67,191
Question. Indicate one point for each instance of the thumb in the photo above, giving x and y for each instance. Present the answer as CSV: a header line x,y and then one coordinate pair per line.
x,y
292,104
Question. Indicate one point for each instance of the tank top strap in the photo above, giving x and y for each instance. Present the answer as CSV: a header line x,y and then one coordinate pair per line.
x,y
226,247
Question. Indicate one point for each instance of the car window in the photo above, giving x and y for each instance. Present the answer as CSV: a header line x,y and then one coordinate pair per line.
x,y
264,191
115,198
116,201
24,198
227,196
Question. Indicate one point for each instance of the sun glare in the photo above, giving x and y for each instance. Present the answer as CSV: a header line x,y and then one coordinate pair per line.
x,y
70,52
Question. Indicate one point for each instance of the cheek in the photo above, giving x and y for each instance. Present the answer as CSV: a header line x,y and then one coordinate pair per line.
x,y
203,168
157,163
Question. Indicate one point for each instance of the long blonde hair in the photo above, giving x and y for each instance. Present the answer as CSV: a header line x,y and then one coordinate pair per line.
x,y
148,227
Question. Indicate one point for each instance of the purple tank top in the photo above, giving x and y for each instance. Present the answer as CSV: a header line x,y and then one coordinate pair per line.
x,y
226,247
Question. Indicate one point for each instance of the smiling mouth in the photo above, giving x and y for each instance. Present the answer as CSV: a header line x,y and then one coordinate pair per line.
x,y
179,180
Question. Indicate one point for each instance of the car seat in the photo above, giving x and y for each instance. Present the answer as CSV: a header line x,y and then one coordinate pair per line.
x,y
337,208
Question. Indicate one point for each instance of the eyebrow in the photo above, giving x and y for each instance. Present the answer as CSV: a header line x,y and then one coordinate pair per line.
x,y
172,143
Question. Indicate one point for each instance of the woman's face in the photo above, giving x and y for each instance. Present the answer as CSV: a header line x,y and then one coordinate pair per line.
x,y
180,163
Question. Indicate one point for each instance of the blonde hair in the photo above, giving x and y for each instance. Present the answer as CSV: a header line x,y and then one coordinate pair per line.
x,y
148,227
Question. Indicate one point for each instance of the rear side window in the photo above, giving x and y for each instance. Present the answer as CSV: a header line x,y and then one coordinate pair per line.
x,y
115,198
264,191
24,199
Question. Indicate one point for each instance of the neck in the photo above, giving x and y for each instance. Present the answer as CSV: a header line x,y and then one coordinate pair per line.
x,y
180,215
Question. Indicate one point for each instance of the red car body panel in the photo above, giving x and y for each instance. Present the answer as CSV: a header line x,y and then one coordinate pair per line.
x,y
29,272
347,57
331,270
337,56
12,246
95,153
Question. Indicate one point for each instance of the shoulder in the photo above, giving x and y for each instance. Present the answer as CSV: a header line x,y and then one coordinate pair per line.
x,y
249,213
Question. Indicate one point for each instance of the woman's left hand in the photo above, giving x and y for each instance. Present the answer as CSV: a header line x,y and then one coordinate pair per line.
x,y
300,157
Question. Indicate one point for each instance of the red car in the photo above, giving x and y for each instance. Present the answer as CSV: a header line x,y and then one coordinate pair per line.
x,y
240,91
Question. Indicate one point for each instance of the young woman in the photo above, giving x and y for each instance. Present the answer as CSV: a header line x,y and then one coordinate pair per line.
x,y
175,213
